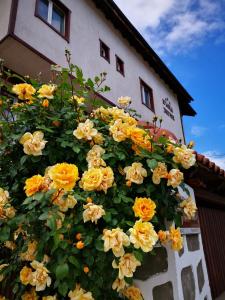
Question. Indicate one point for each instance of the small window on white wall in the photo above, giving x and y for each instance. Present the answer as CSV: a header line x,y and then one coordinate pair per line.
x,y
55,14
147,95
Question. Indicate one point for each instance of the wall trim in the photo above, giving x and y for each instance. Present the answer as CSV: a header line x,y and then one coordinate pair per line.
x,y
12,17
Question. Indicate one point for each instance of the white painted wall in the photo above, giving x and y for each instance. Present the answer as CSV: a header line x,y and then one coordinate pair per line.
x,y
176,264
5,6
88,24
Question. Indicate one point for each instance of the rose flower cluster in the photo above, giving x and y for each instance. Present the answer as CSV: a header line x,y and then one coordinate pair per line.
x,y
88,199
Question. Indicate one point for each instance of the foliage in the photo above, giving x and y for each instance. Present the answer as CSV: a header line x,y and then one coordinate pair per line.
x,y
80,230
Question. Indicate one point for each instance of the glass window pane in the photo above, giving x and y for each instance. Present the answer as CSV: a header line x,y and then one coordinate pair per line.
x,y
58,19
43,9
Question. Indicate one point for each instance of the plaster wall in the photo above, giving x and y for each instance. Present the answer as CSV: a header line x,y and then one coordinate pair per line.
x,y
177,263
88,25
5,6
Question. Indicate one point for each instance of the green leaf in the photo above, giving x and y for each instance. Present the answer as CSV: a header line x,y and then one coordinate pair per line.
x,y
107,217
152,163
4,233
23,159
74,261
138,255
62,271
99,245
63,288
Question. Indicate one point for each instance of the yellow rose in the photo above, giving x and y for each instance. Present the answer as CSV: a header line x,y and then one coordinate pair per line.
x,y
85,131
93,212
94,157
79,294
176,239
47,91
64,202
30,254
40,278
2,297
115,239
107,179
189,207
175,177
31,295
91,179
10,212
98,139
135,173
26,275
34,185
124,102
132,293
49,298
24,91
4,196
159,172
63,176
3,266
79,100
127,265
143,236
10,245
33,144
119,284
119,131
184,156
144,208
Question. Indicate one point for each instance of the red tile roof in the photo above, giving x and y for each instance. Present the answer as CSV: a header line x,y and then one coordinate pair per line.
x,y
209,164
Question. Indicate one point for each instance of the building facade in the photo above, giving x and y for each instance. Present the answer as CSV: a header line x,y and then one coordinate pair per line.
x,y
100,39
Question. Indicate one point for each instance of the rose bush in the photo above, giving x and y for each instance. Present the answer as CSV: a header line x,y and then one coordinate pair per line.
x,y
84,194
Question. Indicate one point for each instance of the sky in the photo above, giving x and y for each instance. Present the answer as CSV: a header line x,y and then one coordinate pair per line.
x,y
189,36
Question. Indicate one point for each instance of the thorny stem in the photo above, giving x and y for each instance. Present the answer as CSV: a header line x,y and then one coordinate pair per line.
x,y
68,59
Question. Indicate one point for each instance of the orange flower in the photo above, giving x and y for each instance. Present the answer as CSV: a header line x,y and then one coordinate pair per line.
x,y
78,236
141,139
26,275
144,208
86,269
45,103
163,236
34,185
80,245
176,239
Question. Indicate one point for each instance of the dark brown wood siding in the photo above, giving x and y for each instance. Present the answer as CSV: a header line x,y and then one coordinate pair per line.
x,y
212,221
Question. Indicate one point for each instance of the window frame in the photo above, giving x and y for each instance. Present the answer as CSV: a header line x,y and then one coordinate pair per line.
x,y
118,61
104,44
61,7
143,84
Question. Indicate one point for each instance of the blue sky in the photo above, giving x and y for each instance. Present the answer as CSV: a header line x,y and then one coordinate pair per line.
x,y
189,35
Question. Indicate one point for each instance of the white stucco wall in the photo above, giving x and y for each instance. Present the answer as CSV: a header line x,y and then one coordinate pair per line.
x,y
88,25
5,6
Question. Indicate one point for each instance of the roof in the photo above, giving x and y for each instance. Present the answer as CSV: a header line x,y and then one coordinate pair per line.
x,y
204,161
136,40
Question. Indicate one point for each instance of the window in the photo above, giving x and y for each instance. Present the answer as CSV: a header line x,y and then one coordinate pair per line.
x,y
104,51
120,65
147,95
55,14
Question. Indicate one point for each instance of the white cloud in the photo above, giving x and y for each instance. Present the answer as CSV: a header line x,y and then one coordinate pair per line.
x,y
198,131
216,157
145,13
175,26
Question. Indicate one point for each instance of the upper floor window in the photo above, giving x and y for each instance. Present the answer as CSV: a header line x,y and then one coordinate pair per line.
x,y
147,95
104,51
55,14
120,65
